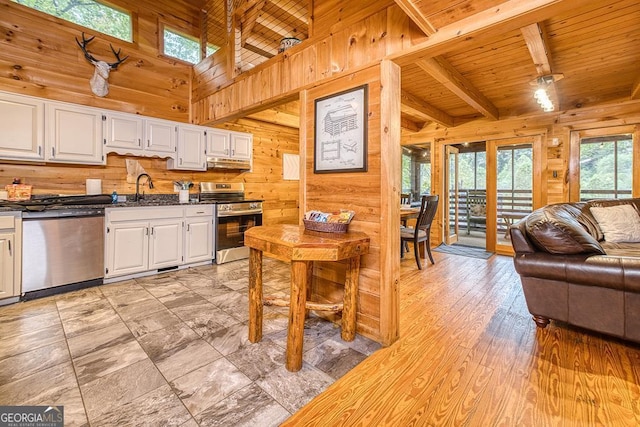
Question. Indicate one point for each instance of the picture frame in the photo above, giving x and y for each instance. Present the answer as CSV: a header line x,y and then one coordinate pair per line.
x,y
340,122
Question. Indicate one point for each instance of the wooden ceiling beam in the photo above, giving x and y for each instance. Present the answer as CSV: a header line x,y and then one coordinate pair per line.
x,y
414,106
537,45
536,40
413,12
408,124
245,5
446,74
295,10
248,20
512,14
273,115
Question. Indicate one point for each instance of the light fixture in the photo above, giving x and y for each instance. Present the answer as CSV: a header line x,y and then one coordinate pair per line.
x,y
541,95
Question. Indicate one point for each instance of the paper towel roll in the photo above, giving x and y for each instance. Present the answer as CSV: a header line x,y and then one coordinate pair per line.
x,y
94,186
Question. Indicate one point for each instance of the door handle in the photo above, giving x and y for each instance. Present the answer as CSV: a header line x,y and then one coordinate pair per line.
x,y
9,247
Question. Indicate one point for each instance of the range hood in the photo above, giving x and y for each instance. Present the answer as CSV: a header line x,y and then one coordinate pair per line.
x,y
222,163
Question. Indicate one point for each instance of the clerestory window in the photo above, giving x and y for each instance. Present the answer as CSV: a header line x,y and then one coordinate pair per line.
x,y
183,47
87,13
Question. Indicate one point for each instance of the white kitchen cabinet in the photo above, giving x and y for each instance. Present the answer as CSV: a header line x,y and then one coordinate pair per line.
x,y
191,146
227,145
139,136
160,136
198,240
241,145
10,258
139,240
74,134
219,143
22,124
7,271
127,248
123,133
165,243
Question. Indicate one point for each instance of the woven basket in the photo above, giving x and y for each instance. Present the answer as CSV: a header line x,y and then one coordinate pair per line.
x,y
325,227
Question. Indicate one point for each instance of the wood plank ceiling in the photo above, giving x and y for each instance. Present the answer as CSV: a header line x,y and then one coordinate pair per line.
x,y
591,50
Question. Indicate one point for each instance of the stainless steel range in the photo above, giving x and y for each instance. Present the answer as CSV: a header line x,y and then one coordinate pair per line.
x,y
234,216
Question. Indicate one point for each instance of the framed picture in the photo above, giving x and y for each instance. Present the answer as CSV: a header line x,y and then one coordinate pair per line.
x,y
341,132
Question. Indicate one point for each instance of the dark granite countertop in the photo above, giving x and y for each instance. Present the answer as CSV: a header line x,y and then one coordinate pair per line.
x,y
147,200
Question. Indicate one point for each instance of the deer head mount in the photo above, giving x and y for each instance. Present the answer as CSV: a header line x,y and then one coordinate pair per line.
x,y
99,81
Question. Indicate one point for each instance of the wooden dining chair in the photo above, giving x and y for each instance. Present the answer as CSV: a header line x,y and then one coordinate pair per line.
x,y
422,231
405,199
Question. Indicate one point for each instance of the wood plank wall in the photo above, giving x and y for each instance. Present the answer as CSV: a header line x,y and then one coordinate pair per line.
x,y
39,57
371,194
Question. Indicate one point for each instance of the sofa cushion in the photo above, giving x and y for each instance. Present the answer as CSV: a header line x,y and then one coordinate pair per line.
x,y
618,223
556,229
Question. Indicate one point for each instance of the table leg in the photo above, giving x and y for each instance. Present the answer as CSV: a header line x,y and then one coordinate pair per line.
x,y
255,295
350,300
297,309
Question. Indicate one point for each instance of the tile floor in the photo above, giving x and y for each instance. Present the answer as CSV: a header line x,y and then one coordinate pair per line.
x,y
167,349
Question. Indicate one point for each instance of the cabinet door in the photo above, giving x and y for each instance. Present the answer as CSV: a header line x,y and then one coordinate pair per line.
x,y
218,143
74,134
191,146
22,124
160,136
165,242
127,248
198,239
241,146
7,251
123,133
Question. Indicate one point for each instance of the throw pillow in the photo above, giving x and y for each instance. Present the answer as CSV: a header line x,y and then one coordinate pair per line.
x,y
619,223
478,210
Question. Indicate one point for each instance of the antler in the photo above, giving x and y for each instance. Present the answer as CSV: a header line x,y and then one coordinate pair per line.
x,y
114,65
83,46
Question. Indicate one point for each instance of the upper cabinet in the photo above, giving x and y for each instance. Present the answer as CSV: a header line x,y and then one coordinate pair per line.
x,y
135,135
74,134
22,124
40,130
229,150
241,145
192,142
35,130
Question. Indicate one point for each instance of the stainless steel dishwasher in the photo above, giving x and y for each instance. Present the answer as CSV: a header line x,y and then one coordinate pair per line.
x,y
61,248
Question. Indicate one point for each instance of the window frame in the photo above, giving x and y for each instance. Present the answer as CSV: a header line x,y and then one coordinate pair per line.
x,y
132,15
574,156
163,25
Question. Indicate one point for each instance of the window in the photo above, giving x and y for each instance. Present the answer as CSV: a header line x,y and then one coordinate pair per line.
x,y
183,47
606,167
603,163
416,170
88,13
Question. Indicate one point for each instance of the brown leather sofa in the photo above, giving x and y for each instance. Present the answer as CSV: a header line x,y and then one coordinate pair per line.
x,y
570,273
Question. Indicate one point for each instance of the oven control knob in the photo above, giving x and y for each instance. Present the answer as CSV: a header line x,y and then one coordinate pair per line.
x,y
254,205
224,208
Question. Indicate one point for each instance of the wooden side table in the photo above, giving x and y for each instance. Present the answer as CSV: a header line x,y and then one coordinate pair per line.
x,y
302,247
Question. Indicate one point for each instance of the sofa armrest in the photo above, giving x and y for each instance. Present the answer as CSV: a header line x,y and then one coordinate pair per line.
x,y
519,240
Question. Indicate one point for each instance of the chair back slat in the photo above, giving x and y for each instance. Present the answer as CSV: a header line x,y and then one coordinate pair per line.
x,y
428,209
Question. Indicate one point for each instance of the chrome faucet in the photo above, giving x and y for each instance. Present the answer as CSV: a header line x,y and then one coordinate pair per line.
x,y
139,196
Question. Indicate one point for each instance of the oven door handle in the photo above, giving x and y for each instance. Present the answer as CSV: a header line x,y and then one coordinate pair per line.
x,y
238,213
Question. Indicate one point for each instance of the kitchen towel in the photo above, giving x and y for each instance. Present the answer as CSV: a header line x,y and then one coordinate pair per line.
x,y
94,186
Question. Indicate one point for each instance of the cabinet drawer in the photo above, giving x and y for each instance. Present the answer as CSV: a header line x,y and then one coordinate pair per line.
x,y
145,213
7,222
199,210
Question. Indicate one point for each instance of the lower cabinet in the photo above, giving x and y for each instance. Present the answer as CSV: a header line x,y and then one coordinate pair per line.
x,y
10,232
198,242
151,238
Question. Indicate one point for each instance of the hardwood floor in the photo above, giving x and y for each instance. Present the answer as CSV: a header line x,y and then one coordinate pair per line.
x,y
470,355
